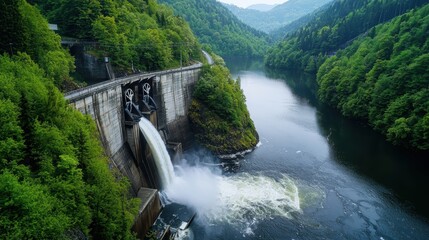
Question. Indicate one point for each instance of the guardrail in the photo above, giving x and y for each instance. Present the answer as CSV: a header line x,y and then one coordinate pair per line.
x,y
89,90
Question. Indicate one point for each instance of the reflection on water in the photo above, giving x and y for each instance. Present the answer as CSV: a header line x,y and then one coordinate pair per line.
x,y
358,147
352,184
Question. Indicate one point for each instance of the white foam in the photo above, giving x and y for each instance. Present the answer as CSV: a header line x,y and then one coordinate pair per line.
x,y
241,200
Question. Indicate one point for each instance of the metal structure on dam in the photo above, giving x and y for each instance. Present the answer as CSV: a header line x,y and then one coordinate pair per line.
x,y
117,105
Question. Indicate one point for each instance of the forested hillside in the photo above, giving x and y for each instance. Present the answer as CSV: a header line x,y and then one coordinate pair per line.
x,y
278,16
142,33
219,114
215,26
333,29
55,182
22,29
383,78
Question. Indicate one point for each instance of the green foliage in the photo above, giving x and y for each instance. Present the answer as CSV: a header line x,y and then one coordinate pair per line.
x,y
11,139
11,27
30,34
216,26
54,178
134,34
383,78
28,211
334,28
219,114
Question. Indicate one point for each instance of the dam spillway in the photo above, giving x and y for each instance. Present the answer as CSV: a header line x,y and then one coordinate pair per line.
x,y
162,159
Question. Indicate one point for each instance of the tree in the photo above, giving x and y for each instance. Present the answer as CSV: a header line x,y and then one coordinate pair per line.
x,y
382,78
219,114
11,28
76,17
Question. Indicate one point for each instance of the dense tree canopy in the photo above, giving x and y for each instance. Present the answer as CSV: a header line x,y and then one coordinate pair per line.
x,y
217,27
332,29
219,113
134,34
55,182
383,78
23,29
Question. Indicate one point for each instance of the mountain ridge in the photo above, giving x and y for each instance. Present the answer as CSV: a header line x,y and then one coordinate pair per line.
x,y
219,29
262,7
278,16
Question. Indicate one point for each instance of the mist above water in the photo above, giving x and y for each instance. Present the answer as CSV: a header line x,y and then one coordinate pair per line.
x,y
241,200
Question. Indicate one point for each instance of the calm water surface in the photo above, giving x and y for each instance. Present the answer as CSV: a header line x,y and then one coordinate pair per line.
x,y
348,182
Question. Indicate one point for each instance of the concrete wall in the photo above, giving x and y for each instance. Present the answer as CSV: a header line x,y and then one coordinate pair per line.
x,y
105,104
105,107
148,213
88,66
174,92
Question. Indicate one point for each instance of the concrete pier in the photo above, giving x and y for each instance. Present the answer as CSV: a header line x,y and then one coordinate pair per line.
x,y
150,208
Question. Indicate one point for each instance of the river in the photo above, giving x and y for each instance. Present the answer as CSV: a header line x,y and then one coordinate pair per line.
x,y
316,174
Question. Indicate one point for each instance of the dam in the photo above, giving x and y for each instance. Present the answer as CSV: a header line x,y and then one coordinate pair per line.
x,y
123,109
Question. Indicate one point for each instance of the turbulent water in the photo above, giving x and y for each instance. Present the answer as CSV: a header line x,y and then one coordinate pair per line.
x,y
241,200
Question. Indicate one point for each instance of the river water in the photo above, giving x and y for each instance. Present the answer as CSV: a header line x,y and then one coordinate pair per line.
x,y
316,175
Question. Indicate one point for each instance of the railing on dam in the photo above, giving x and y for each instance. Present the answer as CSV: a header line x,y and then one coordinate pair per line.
x,y
86,91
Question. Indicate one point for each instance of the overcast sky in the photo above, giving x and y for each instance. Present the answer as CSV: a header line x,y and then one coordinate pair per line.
x,y
246,3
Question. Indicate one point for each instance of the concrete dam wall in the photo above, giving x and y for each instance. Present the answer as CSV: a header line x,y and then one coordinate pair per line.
x,y
174,91
163,98
171,91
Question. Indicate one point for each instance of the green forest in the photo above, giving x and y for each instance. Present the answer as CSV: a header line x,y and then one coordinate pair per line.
x,y
219,30
218,112
139,34
371,58
55,179
332,29
383,78
371,64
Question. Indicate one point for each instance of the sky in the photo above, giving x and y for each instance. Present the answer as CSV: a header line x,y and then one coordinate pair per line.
x,y
246,3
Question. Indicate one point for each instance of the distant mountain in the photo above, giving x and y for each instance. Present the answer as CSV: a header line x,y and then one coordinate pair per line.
x,y
217,27
278,16
261,7
332,29
290,28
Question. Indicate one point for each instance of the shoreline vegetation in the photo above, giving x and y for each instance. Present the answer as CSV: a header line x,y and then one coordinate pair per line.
x,y
371,61
218,113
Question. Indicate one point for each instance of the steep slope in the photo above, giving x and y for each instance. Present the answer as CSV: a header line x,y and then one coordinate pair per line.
x,y
218,113
383,78
333,29
278,16
55,181
215,26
